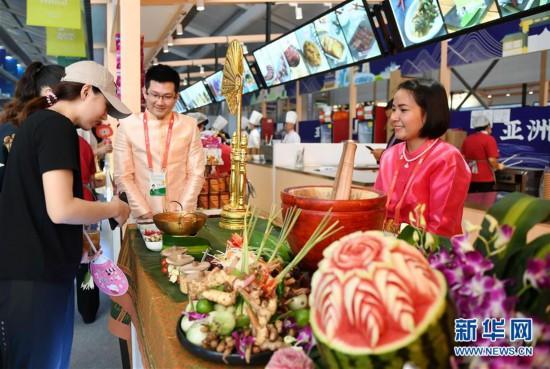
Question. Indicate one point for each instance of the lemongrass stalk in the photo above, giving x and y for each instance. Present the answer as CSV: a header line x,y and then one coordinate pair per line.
x,y
290,221
244,249
273,214
321,233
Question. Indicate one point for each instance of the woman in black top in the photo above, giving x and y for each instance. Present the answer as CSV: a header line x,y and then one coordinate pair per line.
x,y
41,217
36,81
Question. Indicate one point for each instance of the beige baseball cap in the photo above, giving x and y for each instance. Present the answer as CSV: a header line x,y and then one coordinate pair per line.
x,y
92,73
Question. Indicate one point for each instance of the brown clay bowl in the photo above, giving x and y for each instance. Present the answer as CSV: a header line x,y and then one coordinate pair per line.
x,y
180,223
365,211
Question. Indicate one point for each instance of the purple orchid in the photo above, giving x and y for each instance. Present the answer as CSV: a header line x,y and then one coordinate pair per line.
x,y
305,338
440,259
289,323
461,245
537,273
476,264
242,342
504,235
193,315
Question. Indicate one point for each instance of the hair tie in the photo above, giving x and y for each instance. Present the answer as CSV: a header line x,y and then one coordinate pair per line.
x,y
51,98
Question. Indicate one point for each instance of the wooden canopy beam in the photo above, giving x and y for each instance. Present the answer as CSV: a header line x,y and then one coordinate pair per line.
x,y
190,41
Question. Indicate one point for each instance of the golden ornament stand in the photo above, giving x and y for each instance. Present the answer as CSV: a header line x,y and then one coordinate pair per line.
x,y
234,213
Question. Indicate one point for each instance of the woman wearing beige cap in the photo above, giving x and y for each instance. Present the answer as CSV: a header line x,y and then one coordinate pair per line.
x,y
41,217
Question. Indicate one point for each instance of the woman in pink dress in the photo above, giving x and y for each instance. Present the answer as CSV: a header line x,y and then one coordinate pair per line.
x,y
423,175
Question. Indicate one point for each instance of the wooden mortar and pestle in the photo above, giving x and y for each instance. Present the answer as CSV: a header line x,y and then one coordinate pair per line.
x,y
355,208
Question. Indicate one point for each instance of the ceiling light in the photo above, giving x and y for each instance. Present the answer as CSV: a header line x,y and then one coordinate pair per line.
x,y
165,49
299,14
184,82
489,96
9,57
170,41
328,5
202,69
531,92
293,4
155,61
200,5
245,49
507,94
179,29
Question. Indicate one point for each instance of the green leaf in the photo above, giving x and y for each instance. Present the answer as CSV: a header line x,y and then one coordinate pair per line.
x,y
407,235
520,211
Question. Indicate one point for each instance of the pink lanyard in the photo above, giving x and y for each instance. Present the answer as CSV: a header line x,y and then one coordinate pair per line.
x,y
148,145
408,186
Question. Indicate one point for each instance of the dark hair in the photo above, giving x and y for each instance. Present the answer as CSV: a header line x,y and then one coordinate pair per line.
x,y
67,91
36,76
389,104
432,99
162,73
479,129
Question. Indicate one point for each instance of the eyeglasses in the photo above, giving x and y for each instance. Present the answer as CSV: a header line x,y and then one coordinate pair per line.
x,y
157,97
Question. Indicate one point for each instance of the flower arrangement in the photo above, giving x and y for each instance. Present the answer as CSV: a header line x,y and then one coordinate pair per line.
x,y
498,277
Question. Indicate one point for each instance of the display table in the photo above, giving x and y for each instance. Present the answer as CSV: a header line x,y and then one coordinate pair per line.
x,y
156,314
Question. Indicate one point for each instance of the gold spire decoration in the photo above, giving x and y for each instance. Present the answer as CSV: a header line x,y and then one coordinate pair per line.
x,y
234,213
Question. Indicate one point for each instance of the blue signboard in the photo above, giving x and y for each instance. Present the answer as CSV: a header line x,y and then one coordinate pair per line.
x,y
310,131
525,132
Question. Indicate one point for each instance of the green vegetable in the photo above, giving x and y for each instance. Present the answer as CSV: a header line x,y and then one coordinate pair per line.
x,y
223,322
195,335
425,16
186,323
298,302
204,306
302,317
242,321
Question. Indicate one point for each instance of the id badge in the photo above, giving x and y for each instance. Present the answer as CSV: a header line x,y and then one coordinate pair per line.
x,y
157,184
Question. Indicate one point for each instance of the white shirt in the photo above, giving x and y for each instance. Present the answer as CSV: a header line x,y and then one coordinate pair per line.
x,y
254,139
292,137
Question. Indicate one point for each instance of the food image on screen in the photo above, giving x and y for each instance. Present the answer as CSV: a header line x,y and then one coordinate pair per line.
x,y
424,18
270,73
418,20
508,7
363,38
357,31
312,55
292,56
460,14
332,46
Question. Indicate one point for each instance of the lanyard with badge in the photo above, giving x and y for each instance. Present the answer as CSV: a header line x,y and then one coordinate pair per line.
x,y
157,180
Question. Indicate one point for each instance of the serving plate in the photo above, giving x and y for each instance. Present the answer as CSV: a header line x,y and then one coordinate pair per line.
x,y
409,24
234,359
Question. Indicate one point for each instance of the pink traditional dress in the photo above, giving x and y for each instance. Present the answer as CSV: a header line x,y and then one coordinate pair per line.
x,y
435,176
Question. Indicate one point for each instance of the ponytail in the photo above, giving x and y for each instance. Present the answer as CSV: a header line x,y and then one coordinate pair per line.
x,y
67,91
29,86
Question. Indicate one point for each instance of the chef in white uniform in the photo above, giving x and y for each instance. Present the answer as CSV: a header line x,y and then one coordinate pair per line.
x,y
254,138
291,135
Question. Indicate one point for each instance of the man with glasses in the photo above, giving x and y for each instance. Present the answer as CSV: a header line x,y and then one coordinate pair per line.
x,y
158,153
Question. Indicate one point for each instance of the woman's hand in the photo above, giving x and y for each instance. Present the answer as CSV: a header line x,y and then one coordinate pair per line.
x,y
104,147
122,210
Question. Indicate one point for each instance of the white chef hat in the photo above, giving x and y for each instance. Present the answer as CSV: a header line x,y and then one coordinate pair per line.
x,y
481,121
200,117
219,123
291,117
244,122
255,118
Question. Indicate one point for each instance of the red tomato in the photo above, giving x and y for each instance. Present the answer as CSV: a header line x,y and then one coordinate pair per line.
x,y
164,270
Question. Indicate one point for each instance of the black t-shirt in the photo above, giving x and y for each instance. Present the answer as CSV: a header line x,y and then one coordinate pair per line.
x,y
32,247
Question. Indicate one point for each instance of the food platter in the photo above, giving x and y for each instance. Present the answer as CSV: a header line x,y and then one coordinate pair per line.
x,y
414,24
233,359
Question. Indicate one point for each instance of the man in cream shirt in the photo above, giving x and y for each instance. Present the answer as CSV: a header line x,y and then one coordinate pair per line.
x,y
158,154
291,135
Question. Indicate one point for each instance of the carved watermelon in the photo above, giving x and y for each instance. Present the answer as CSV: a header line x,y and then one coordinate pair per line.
x,y
377,303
